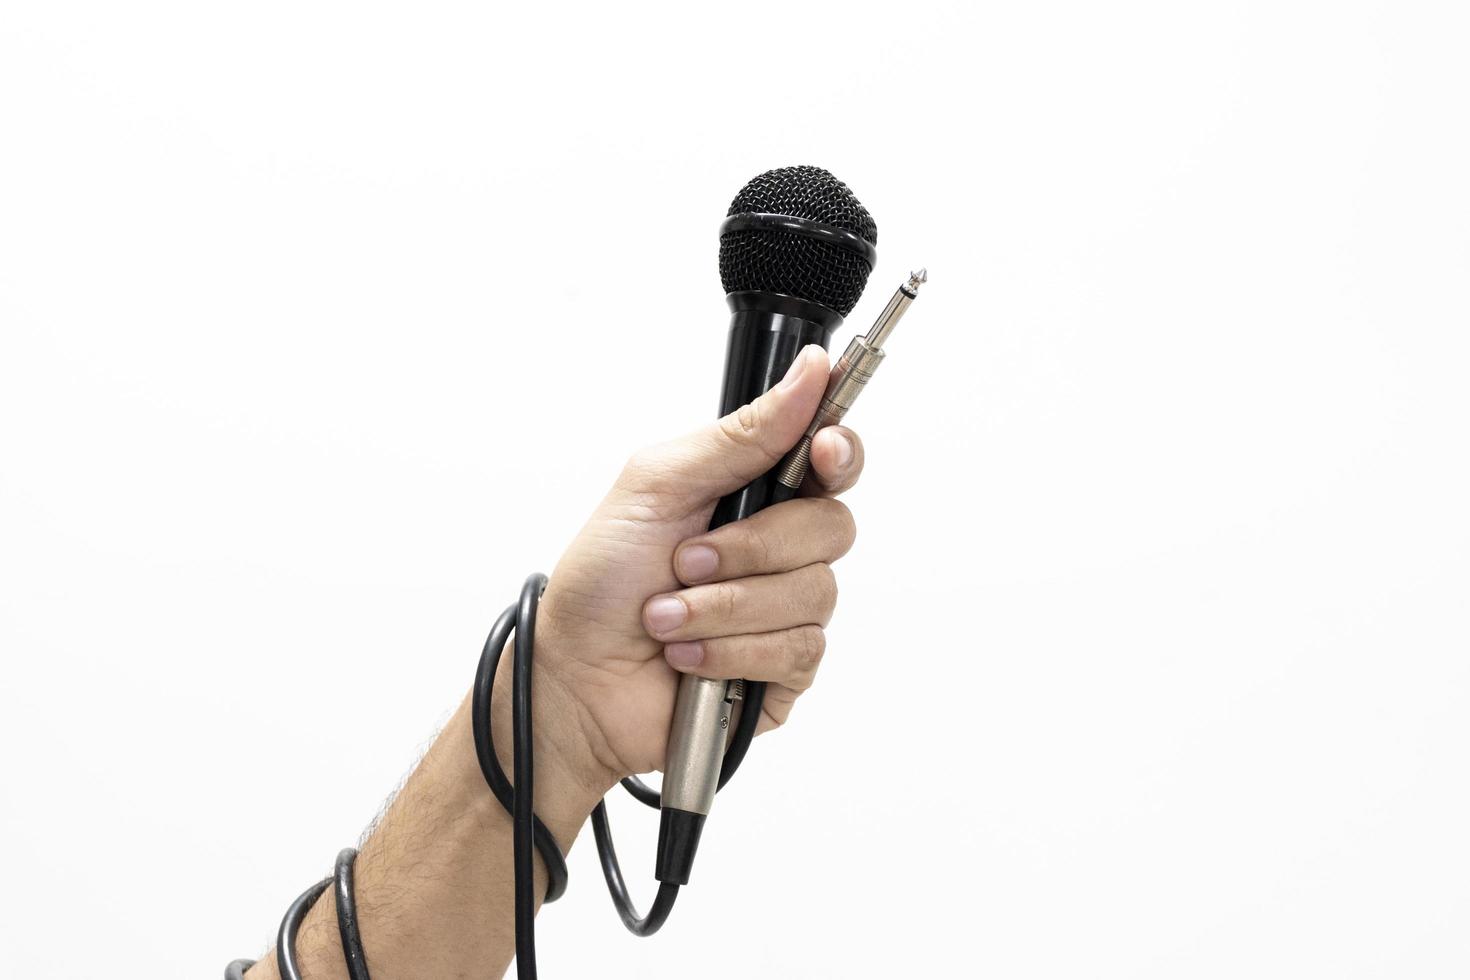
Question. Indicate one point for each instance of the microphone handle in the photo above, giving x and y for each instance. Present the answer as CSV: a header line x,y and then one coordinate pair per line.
x,y
767,331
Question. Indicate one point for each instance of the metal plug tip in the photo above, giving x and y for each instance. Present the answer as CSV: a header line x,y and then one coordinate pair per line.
x,y
917,279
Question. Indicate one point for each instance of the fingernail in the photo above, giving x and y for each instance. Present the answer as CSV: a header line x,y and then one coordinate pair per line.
x,y
794,371
844,451
697,562
664,613
684,654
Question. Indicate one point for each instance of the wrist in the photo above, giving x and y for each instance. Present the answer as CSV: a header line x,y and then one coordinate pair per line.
x,y
570,775
434,878
437,866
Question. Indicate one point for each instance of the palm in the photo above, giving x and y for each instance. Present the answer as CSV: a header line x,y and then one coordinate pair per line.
x,y
593,628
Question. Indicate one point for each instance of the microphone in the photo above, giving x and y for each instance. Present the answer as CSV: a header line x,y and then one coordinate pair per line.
x,y
796,248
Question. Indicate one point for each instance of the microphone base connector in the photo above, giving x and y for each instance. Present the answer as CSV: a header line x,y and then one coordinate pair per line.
x,y
678,839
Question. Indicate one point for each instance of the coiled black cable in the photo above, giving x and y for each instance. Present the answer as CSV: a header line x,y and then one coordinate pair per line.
x,y
528,831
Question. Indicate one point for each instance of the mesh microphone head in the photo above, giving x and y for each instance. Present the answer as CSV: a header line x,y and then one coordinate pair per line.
x,y
779,261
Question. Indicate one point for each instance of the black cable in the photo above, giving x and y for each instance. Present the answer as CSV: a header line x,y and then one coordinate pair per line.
x,y
527,828
480,701
641,791
521,745
521,618
290,925
607,855
347,915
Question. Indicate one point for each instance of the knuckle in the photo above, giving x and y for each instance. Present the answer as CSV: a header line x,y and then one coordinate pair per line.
x,y
723,601
744,427
845,532
808,645
757,547
826,586
743,424
639,467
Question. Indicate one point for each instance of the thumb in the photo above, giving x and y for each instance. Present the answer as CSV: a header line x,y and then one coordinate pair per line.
x,y
739,447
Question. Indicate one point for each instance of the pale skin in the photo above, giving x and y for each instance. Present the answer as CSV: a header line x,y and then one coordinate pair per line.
x,y
643,593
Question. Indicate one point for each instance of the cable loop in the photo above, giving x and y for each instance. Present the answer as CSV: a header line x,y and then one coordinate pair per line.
x,y
551,854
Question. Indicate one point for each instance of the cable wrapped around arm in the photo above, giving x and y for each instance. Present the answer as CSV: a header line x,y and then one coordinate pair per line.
x,y
528,830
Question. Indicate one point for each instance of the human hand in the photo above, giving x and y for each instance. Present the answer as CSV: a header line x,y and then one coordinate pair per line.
x,y
434,900
644,592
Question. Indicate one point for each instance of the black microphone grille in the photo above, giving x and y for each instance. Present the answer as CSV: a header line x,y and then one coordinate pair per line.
x,y
823,254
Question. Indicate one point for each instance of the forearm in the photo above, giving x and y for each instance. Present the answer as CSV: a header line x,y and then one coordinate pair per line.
x,y
434,882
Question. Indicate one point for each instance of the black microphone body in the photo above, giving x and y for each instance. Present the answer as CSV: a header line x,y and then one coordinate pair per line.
x,y
796,250
767,332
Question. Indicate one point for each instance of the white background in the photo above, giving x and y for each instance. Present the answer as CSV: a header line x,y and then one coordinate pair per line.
x,y
1153,657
